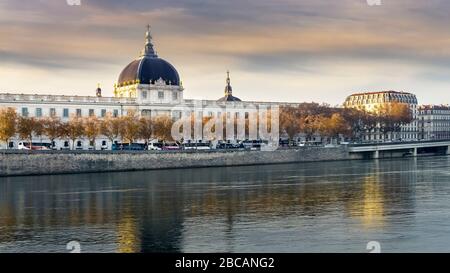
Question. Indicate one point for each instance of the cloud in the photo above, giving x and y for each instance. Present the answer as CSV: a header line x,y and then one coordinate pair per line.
x,y
308,39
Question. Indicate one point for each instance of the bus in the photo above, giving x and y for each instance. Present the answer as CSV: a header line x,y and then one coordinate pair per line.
x,y
128,147
34,146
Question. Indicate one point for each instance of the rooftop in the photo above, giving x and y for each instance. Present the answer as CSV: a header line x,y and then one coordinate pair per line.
x,y
381,92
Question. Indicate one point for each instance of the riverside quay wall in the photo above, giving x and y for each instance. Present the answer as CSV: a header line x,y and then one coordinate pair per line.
x,y
13,163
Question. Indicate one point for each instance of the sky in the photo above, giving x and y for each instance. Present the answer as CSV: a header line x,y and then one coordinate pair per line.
x,y
276,50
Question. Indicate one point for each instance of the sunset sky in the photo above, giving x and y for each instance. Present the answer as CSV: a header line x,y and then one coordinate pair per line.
x,y
276,50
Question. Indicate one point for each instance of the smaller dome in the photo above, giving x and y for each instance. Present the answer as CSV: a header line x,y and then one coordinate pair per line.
x,y
228,91
229,98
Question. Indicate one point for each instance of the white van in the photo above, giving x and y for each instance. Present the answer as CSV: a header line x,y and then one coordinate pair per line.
x,y
154,146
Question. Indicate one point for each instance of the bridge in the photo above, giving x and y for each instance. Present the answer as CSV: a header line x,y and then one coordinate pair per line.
x,y
396,149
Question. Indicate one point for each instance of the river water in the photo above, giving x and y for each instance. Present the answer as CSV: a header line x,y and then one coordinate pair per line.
x,y
404,204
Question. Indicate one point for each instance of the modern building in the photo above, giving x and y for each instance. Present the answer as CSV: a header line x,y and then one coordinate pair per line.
x,y
149,86
371,101
434,122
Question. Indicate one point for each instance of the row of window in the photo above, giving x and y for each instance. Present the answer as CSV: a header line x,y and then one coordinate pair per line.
x,y
160,95
381,136
436,117
375,101
66,112
435,112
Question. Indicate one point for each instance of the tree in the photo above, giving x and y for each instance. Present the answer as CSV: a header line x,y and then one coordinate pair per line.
x,y
110,127
392,116
52,129
401,114
359,121
162,128
145,129
38,128
64,130
8,122
290,121
129,127
335,126
91,129
25,128
311,125
74,129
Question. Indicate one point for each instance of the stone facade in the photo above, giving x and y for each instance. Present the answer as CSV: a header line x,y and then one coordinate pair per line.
x,y
434,122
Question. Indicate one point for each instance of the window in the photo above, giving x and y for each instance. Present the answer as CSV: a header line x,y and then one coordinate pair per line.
x,y
115,113
79,143
160,95
103,114
91,112
38,112
25,112
144,94
146,113
52,112
78,112
174,96
65,113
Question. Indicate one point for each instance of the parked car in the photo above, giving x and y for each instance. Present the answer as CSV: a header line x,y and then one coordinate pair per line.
x,y
225,145
252,144
128,147
196,146
284,142
171,147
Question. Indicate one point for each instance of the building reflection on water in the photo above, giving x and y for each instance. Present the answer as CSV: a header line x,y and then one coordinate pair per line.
x,y
166,211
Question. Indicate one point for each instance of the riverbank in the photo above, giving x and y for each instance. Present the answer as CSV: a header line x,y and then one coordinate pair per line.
x,y
15,163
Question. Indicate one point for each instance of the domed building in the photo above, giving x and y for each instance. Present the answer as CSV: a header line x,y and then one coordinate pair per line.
x,y
149,79
148,86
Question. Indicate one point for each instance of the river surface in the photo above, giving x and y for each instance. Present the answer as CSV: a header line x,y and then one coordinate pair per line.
x,y
404,204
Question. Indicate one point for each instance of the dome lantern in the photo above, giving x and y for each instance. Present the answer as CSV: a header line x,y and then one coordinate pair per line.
x,y
98,91
228,91
148,49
